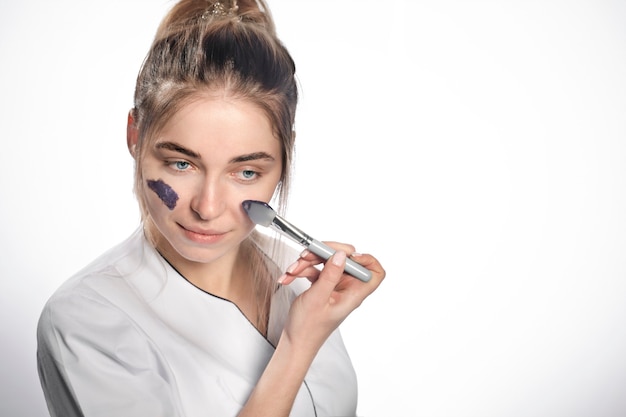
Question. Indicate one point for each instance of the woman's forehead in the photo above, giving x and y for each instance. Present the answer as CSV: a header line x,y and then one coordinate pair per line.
x,y
218,124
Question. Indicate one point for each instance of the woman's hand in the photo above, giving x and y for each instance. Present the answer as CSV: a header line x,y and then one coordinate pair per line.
x,y
333,295
313,316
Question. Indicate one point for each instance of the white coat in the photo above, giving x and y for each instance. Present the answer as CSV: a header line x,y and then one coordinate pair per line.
x,y
130,337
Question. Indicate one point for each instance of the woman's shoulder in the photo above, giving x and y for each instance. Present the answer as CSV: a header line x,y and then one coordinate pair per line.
x,y
83,290
120,256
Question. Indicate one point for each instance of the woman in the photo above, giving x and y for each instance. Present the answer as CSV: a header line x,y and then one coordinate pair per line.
x,y
193,315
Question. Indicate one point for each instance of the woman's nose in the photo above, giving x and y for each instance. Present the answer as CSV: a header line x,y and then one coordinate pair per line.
x,y
210,200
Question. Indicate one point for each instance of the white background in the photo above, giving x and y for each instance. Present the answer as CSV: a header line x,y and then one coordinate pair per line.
x,y
478,148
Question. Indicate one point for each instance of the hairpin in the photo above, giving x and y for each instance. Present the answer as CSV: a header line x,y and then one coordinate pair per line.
x,y
217,8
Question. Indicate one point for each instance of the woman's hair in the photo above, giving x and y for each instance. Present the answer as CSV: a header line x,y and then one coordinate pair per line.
x,y
204,46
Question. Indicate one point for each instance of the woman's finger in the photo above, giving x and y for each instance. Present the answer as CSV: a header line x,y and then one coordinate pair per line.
x,y
311,273
310,256
330,276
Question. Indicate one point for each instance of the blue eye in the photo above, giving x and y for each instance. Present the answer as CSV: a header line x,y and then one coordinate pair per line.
x,y
181,165
248,174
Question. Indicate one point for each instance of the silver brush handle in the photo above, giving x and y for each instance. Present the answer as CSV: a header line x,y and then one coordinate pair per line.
x,y
324,251
356,270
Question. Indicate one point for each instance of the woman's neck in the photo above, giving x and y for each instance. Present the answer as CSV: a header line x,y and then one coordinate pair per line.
x,y
229,277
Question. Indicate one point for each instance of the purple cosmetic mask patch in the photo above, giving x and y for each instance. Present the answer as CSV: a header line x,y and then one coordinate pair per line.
x,y
165,193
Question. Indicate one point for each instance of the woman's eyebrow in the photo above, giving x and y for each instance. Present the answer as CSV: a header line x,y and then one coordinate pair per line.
x,y
252,157
172,146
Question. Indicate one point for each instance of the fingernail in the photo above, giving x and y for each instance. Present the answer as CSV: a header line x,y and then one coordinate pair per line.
x,y
304,253
339,258
282,278
355,254
292,267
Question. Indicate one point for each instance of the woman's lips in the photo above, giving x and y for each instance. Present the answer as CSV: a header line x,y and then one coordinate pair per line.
x,y
203,236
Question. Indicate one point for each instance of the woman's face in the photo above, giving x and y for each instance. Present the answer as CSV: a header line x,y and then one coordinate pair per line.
x,y
213,154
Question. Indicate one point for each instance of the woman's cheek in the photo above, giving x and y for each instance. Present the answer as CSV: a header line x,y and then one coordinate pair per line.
x,y
164,192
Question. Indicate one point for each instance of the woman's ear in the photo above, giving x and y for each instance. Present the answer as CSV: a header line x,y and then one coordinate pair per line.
x,y
132,134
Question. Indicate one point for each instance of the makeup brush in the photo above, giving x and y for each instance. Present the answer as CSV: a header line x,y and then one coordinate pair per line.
x,y
261,213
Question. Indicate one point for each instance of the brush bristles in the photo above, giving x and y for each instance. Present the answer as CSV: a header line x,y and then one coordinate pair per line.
x,y
259,212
